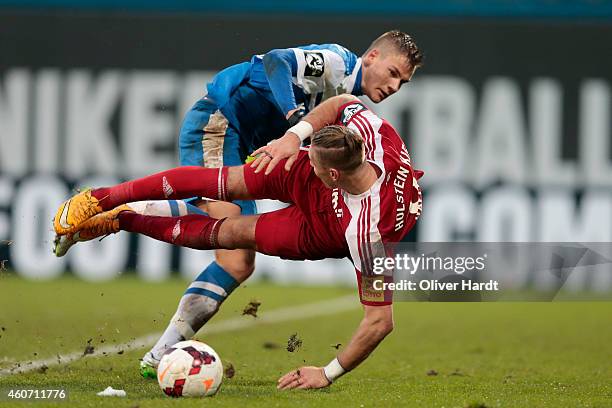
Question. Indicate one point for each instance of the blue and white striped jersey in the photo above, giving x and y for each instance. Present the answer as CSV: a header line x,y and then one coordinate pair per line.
x,y
255,96
317,71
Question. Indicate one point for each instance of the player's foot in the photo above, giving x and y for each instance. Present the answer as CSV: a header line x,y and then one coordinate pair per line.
x,y
74,211
63,243
148,366
97,226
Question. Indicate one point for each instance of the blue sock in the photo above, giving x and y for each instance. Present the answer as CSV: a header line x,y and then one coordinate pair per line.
x,y
213,282
178,208
192,209
199,303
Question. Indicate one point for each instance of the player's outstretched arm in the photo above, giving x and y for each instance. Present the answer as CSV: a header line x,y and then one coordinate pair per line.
x,y
376,324
289,145
280,66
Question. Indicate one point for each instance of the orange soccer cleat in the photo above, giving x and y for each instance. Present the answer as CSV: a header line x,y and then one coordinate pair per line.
x,y
99,225
74,211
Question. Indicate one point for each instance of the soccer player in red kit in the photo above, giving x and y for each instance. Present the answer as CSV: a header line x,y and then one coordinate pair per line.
x,y
351,192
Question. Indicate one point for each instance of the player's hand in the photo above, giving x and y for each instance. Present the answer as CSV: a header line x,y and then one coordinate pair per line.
x,y
304,378
295,115
287,147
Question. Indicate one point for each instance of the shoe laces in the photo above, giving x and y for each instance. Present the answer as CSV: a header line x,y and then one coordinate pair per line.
x,y
84,212
104,226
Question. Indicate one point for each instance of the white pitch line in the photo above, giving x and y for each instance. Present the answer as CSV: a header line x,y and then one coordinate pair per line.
x,y
326,307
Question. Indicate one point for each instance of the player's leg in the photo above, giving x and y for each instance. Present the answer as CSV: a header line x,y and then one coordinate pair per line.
x,y
206,140
221,145
201,231
168,208
224,184
284,233
204,296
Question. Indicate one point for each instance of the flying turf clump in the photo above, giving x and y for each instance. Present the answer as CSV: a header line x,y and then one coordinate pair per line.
x,y
251,308
293,343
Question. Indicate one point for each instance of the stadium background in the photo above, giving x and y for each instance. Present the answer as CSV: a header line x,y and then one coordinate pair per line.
x,y
509,117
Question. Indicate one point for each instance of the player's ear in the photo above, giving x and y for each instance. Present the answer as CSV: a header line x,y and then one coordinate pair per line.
x,y
334,174
371,56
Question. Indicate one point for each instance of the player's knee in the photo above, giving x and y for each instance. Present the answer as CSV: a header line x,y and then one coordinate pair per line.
x,y
238,233
243,270
236,184
240,270
240,265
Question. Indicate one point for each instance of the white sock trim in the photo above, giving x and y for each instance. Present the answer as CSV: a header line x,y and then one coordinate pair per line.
x,y
208,286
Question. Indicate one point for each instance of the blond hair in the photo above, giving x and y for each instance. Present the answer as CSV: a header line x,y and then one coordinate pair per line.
x,y
339,147
401,43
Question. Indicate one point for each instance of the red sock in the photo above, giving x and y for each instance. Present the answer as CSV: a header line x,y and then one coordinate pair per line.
x,y
193,231
178,183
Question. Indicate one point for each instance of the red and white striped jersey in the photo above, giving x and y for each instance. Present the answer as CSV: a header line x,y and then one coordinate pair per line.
x,y
384,214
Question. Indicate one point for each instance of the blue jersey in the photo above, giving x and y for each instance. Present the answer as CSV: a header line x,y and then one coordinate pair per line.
x,y
255,96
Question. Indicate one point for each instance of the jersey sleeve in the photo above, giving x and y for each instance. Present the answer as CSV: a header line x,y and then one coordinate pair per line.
x,y
367,245
319,69
371,234
371,291
371,286
281,66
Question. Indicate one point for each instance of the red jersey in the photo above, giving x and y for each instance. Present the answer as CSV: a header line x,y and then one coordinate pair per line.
x,y
331,223
389,209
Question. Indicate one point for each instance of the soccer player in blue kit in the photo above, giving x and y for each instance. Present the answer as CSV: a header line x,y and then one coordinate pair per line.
x,y
248,105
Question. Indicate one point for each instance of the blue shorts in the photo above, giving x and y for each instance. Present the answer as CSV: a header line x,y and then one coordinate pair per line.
x,y
206,139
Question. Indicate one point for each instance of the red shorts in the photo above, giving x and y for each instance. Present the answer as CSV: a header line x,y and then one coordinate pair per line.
x,y
308,228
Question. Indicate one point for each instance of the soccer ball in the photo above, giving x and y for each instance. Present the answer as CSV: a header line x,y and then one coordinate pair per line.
x,y
190,369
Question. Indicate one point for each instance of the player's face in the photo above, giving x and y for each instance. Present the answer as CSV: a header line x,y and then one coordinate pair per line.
x,y
384,74
325,174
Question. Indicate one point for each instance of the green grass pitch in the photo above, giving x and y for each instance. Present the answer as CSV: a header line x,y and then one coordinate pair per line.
x,y
482,354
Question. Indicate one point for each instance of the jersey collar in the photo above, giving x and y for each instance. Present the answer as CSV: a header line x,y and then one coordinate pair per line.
x,y
354,80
